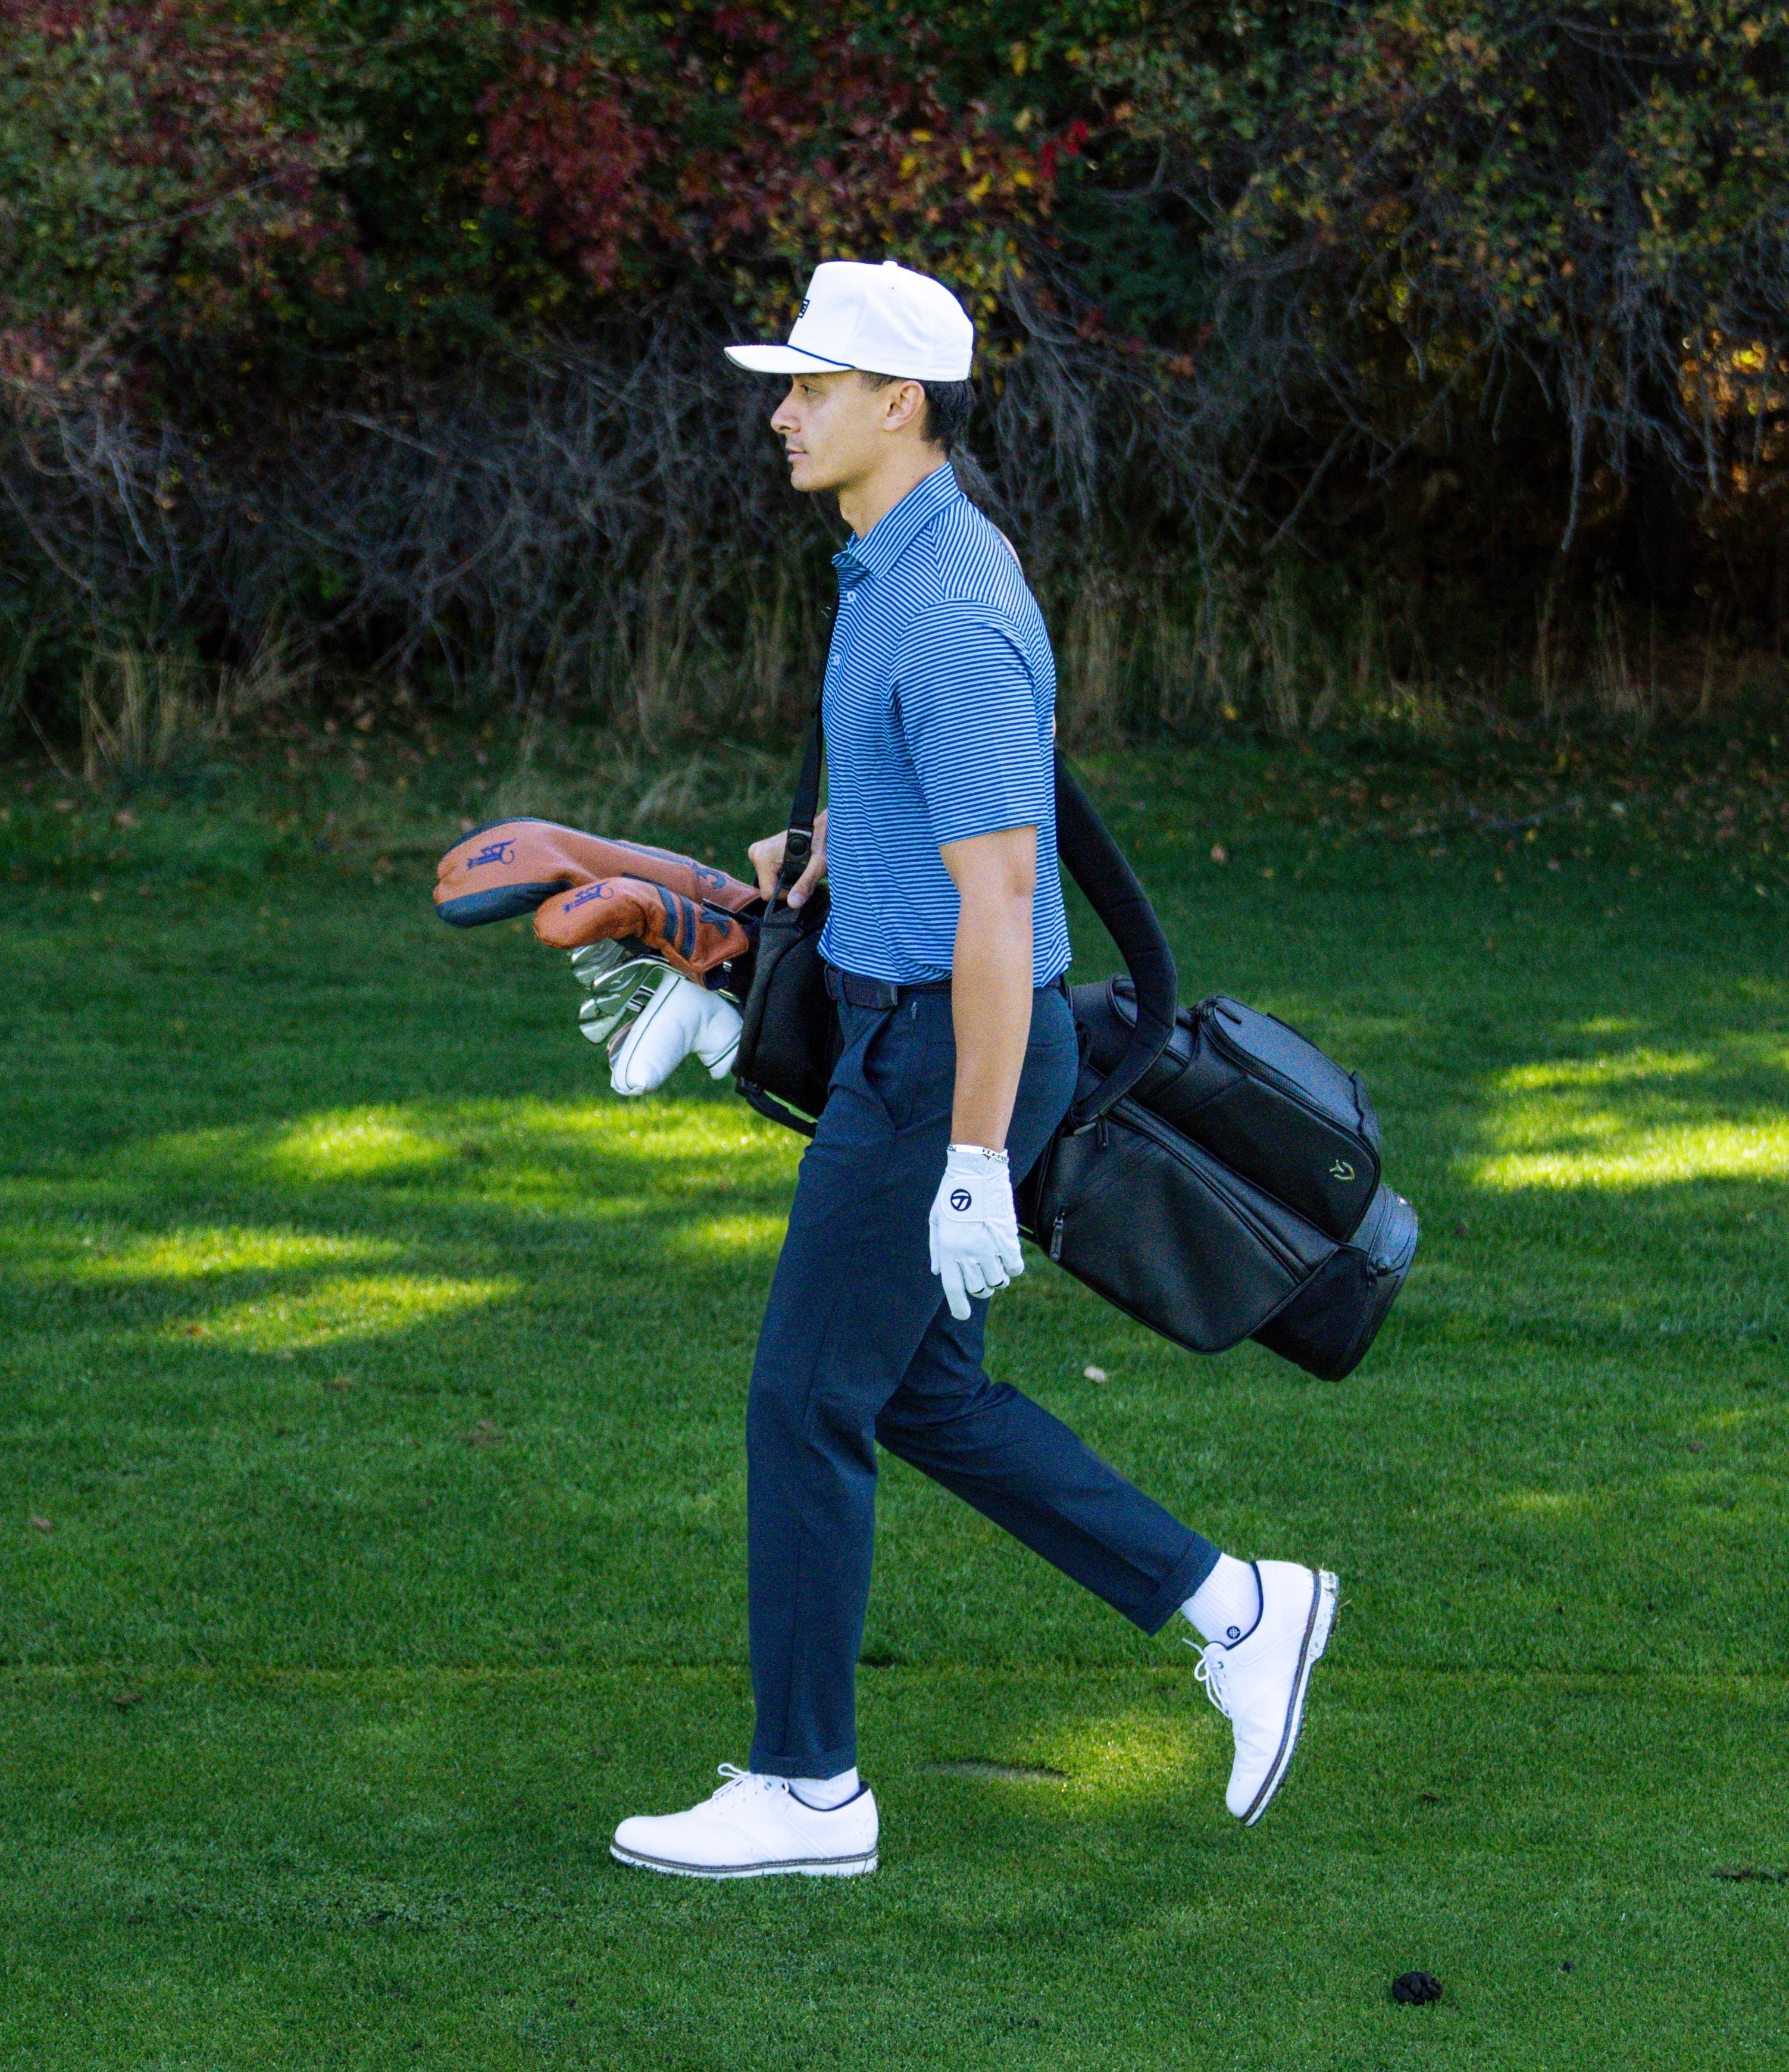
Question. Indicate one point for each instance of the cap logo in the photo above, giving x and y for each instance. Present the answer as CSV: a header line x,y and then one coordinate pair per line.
x,y
802,312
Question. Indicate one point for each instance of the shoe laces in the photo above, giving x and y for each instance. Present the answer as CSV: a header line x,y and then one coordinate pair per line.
x,y
736,1778
1212,1670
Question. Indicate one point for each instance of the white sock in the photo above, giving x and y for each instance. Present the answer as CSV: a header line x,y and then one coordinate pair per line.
x,y
824,1793
1226,1605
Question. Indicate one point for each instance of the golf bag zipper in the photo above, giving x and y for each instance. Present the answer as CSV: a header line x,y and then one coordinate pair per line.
x,y
1056,1236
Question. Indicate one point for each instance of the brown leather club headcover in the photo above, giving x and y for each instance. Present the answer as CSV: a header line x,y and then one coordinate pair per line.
x,y
690,939
584,888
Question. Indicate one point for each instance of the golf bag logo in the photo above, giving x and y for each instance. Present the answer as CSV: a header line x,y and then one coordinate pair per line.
x,y
961,1200
498,851
1341,1170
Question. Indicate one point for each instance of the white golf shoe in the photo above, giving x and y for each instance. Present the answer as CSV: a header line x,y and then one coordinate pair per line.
x,y
1259,1682
753,1826
680,1017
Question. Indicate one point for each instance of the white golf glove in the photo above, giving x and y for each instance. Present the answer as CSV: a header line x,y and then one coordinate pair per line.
x,y
680,1017
975,1246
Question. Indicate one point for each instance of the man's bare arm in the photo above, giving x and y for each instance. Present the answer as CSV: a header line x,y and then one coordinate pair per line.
x,y
996,877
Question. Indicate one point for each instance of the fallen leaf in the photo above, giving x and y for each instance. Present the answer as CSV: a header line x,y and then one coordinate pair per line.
x,y
43,1525
1094,1373
126,1699
1219,853
484,1434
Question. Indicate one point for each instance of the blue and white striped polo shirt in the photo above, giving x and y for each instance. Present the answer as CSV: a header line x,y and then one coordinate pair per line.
x,y
940,688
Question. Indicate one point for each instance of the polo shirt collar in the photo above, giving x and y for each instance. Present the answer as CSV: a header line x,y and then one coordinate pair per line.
x,y
895,531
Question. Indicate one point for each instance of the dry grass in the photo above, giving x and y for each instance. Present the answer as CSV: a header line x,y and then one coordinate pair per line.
x,y
146,713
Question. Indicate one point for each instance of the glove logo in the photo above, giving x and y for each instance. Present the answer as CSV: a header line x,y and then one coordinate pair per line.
x,y
961,1200
497,851
1341,1170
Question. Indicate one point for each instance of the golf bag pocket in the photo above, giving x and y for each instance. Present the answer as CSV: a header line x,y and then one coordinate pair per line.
x,y
1151,1221
1260,1097
1328,1324
790,1040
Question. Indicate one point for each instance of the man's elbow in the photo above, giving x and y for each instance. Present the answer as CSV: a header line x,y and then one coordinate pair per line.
x,y
1002,901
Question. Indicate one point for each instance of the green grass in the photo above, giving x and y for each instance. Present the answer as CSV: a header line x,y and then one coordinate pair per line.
x,y
379,1378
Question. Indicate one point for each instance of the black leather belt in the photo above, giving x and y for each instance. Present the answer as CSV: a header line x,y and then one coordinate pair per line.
x,y
877,992
883,993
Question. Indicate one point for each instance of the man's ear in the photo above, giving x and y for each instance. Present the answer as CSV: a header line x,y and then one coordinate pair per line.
x,y
904,401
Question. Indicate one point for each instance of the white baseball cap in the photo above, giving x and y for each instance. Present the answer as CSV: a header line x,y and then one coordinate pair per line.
x,y
884,319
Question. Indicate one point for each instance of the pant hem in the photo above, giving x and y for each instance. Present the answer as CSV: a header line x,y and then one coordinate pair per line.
x,y
1199,1560
829,1762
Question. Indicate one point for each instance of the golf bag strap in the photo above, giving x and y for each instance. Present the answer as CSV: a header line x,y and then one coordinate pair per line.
x,y
1094,860
800,845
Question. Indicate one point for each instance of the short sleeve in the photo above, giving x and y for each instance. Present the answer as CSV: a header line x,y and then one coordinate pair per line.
x,y
968,710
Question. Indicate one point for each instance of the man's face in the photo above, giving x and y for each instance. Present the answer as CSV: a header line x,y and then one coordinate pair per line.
x,y
835,428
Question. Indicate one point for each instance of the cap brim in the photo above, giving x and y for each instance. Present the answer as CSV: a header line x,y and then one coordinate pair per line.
x,y
782,359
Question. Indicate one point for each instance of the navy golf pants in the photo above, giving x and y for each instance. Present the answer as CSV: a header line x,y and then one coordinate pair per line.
x,y
858,1348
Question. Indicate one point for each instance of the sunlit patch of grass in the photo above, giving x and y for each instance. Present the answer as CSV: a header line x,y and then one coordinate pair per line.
x,y
513,1148
1547,1503
353,1143
190,1255
731,1237
1639,1118
1139,1753
363,1306
1632,1155
1543,1077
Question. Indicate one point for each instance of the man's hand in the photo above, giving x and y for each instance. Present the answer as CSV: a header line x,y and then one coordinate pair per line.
x,y
767,859
975,1246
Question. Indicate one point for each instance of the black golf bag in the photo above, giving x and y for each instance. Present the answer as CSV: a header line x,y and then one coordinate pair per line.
x,y
1217,1177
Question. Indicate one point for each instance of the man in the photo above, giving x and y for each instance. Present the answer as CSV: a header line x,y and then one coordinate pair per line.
x,y
946,946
